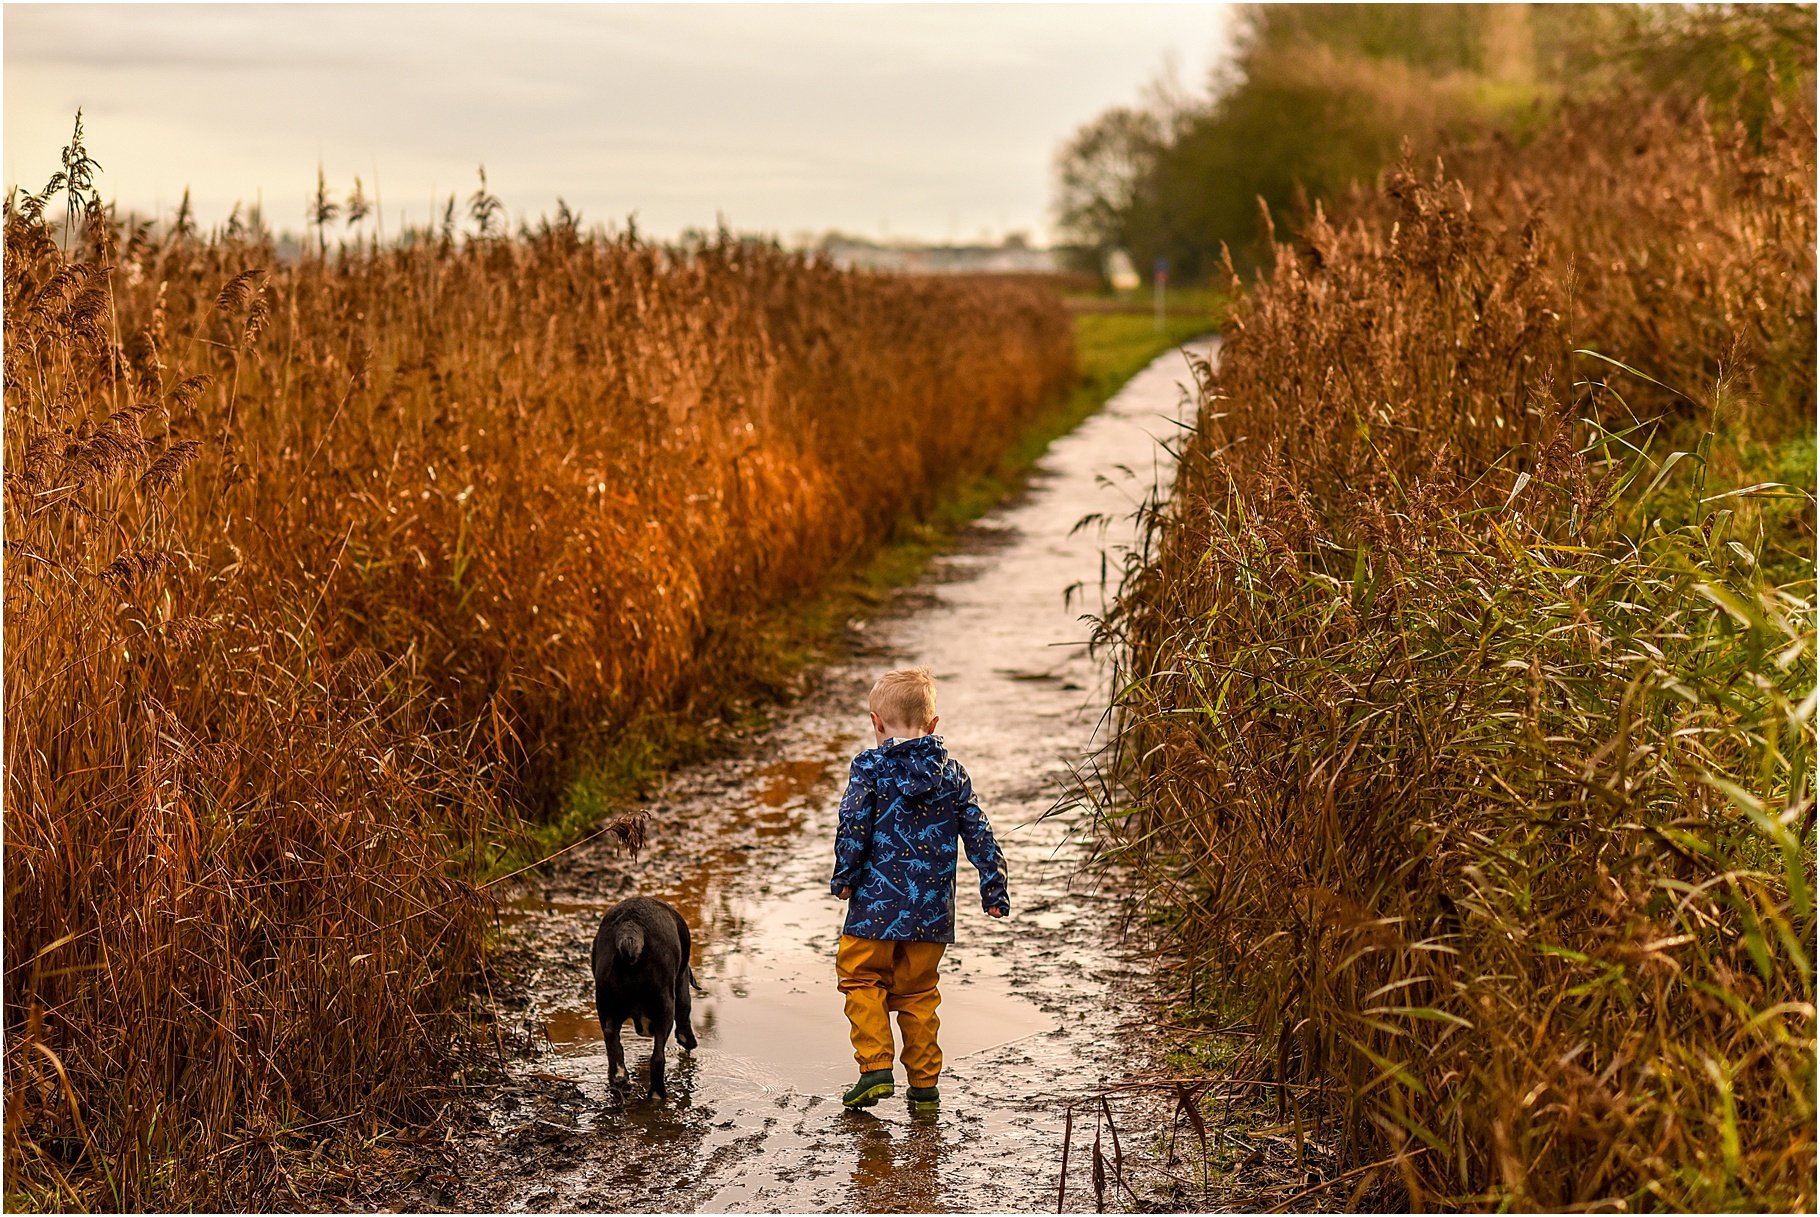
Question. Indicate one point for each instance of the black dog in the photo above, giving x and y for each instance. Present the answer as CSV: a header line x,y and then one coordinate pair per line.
x,y
642,973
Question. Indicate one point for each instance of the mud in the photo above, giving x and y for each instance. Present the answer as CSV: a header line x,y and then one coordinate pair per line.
x,y
1037,1008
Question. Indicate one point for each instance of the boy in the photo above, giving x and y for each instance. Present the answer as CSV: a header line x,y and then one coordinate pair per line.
x,y
894,858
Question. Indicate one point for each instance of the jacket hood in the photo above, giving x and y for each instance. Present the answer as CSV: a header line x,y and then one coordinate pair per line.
x,y
913,766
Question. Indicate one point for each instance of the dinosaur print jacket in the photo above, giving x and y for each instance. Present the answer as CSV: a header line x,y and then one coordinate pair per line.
x,y
906,805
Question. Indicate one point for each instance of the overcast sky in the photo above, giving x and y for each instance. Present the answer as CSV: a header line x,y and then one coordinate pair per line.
x,y
906,121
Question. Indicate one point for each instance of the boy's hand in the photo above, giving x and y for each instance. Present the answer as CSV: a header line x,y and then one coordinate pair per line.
x,y
995,912
846,893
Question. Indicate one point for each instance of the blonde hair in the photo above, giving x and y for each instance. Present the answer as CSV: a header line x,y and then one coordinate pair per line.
x,y
904,697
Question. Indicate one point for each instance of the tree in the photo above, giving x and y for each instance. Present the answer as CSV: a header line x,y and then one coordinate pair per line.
x,y
1100,174
1316,97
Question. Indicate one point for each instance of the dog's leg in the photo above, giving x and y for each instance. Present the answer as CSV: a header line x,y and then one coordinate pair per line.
x,y
609,1030
618,1076
660,1038
685,1030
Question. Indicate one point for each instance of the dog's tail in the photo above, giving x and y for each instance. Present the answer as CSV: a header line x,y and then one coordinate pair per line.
x,y
629,940
693,983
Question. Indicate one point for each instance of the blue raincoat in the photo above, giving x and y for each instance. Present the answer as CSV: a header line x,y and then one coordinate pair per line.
x,y
906,805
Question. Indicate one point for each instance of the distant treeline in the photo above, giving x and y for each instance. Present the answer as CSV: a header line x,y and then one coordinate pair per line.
x,y
1320,97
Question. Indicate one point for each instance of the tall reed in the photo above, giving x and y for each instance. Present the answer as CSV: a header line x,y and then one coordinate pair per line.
x,y
1468,721
319,573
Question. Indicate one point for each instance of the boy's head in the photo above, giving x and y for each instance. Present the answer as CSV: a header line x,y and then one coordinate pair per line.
x,y
903,704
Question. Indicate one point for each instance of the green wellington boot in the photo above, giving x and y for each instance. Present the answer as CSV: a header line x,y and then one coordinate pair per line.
x,y
925,1098
870,1088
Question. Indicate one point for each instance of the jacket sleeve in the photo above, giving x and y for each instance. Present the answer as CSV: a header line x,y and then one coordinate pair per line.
x,y
850,837
983,850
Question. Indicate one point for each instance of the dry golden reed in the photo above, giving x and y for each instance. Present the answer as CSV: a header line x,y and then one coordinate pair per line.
x,y
1469,725
317,572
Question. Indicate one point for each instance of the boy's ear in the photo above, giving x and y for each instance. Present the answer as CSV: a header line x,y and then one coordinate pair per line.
x,y
930,729
878,724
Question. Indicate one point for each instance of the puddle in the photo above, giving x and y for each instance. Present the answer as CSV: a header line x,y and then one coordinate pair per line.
x,y
1036,1008
573,1031
787,783
536,904
772,1011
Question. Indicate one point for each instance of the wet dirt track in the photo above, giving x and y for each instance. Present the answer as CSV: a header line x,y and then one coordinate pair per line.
x,y
1036,1008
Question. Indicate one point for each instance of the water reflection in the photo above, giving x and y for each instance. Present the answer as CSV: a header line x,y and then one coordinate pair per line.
x,y
897,1168
536,904
785,783
572,1028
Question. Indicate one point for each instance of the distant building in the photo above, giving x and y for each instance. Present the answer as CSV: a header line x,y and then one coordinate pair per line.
x,y
1121,273
1013,257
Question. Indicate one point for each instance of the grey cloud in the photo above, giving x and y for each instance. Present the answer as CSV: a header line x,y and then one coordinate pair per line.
x,y
789,117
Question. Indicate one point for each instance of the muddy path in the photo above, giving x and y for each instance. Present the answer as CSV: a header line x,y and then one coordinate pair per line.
x,y
1036,1008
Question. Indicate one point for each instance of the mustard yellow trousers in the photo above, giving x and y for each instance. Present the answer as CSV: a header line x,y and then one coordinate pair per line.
x,y
879,977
